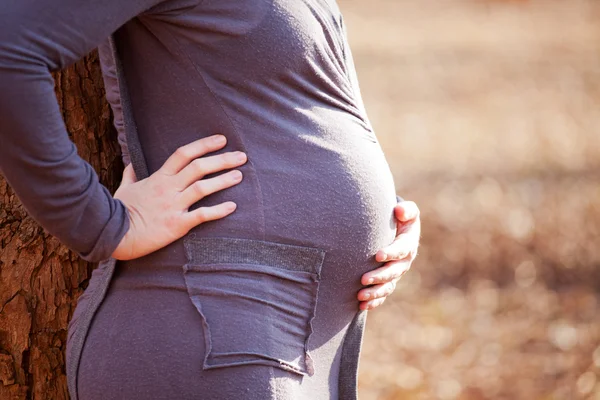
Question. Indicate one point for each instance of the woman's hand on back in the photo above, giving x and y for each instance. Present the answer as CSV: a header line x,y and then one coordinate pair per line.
x,y
158,205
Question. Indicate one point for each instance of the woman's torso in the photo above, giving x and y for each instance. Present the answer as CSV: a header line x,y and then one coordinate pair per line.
x,y
276,77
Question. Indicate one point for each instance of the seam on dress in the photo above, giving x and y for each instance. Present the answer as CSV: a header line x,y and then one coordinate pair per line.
x,y
231,122
351,348
134,147
109,76
310,364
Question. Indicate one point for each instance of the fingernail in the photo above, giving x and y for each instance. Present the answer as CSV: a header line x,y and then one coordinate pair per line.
x,y
367,296
219,139
240,156
384,256
370,281
236,175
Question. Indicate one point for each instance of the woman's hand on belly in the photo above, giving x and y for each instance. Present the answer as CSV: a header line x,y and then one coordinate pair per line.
x,y
158,205
398,256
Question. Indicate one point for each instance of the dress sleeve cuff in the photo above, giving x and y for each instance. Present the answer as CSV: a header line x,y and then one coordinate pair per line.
x,y
111,235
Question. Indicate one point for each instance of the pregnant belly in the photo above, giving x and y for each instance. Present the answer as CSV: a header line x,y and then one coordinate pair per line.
x,y
315,185
311,217
340,199
285,266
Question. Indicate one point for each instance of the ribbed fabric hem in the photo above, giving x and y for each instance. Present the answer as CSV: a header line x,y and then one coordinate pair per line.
x,y
111,235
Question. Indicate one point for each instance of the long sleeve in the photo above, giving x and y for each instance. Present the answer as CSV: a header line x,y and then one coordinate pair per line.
x,y
58,188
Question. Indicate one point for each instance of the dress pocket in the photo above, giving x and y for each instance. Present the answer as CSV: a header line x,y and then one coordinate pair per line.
x,y
257,300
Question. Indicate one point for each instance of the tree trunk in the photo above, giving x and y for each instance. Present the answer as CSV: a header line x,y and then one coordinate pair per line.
x,y
40,279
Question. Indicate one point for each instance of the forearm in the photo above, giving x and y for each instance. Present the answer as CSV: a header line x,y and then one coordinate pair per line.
x,y
59,189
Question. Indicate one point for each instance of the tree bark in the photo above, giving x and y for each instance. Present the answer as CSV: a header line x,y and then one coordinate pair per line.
x,y
40,279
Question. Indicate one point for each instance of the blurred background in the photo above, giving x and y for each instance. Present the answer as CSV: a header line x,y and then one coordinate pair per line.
x,y
489,115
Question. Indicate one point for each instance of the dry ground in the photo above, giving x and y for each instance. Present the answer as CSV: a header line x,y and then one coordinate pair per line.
x,y
489,114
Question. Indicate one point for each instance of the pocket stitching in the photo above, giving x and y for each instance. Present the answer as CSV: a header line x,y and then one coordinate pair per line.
x,y
267,255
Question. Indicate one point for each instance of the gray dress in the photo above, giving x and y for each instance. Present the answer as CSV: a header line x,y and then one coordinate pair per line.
x,y
253,306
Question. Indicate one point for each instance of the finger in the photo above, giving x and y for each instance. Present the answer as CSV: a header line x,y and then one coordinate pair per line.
x,y
403,246
377,291
204,214
185,154
128,175
204,187
390,271
200,167
406,211
371,304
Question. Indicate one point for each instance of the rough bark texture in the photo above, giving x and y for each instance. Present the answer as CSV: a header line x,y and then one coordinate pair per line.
x,y
40,279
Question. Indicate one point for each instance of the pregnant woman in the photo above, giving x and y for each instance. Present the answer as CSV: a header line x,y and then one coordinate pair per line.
x,y
228,285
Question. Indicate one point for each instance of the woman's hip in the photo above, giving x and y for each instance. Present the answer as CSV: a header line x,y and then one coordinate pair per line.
x,y
149,344
260,316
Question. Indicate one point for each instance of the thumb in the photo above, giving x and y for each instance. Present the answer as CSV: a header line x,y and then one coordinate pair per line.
x,y
128,175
